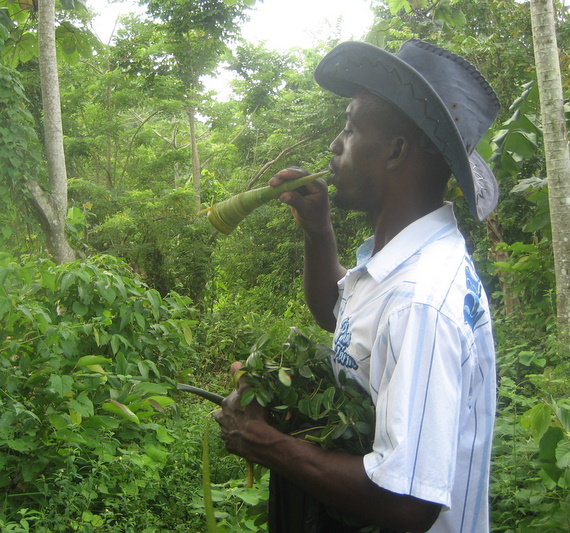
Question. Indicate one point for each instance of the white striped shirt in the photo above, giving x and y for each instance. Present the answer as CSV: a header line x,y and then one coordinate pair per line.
x,y
414,329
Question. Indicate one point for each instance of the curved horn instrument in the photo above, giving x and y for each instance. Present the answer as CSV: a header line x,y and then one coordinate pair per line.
x,y
225,216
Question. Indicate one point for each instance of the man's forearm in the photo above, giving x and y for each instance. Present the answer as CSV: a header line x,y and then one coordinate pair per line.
x,y
337,479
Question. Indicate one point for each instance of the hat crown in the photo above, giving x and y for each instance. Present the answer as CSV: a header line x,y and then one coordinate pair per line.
x,y
467,95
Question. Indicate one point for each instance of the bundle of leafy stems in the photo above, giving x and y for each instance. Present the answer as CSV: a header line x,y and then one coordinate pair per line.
x,y
296,382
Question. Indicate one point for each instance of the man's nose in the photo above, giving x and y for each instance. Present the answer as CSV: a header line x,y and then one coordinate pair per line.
x,y
336,146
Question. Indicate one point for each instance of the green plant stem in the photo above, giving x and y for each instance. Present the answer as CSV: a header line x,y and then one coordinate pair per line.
x,y
206,486
217,399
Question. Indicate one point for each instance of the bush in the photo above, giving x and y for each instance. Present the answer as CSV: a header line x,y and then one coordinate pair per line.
x,y
88,362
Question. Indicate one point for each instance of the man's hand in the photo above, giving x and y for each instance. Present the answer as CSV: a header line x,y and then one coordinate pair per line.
x,y
234,419
309,204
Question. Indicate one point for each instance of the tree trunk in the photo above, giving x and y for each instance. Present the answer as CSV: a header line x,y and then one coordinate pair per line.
x,y
52,207
556,151
196,168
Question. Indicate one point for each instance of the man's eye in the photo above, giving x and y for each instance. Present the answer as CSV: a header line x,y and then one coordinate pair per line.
x,y
347,131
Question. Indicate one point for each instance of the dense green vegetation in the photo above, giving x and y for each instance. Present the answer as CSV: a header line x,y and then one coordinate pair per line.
x,y
94,435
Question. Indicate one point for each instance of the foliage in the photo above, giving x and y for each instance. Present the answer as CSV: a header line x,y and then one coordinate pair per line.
x,y
20,159
238,507
73,39
296,381
529,481
87,359
158,233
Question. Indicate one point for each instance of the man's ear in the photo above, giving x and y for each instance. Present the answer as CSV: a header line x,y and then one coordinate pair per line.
x,y
399,149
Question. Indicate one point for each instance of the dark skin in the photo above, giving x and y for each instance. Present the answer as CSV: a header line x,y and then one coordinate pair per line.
x,y
379,167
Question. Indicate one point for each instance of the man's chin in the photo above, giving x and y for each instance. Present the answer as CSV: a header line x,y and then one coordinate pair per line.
x,y
340,201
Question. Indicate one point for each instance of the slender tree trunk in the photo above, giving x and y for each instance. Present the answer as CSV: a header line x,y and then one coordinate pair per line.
x,y
196,168
108,170
556,151
52,207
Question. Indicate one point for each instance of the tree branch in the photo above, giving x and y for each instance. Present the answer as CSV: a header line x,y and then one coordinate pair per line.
x,y
285,152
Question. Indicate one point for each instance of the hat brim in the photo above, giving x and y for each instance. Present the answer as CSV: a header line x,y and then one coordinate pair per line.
x,y
352,65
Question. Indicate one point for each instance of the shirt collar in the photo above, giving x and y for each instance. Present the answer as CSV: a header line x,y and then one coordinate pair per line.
x,y
410,240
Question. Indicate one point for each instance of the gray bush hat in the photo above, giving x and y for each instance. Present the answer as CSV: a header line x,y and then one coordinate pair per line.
x,y
441,92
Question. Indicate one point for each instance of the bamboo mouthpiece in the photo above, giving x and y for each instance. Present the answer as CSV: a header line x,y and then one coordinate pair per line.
x,y
226,216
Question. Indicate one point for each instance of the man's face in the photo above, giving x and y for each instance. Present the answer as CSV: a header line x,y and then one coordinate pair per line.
x,y
358,153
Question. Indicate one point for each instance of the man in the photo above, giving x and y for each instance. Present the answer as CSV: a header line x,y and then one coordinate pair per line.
x,y
411,320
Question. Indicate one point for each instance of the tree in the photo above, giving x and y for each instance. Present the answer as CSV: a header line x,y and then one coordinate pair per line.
x,y
19,46
52,207
197,33
556,151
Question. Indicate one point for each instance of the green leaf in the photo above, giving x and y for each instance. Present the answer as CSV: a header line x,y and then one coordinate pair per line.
x,y
156,453
206,486
563,415
526,357
140,320
397,5
163,436
188,336
263,341
88,360
537,420
61,385
75,417
563,454
247,396
328,398
154,299
284,377
69,436
79,308
5,306
82,404
98,422
58,421
117,408
263,397
146,387
254,361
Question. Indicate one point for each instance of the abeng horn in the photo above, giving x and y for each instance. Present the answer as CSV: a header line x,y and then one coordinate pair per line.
x,y
226,216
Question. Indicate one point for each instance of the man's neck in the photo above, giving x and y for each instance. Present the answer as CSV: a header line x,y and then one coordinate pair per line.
x,y
389,222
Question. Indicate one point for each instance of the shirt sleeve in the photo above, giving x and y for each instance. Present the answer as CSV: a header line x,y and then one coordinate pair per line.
x,y
417,382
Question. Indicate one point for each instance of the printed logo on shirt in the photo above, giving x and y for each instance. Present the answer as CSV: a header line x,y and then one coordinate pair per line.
x,y
472,311
341,344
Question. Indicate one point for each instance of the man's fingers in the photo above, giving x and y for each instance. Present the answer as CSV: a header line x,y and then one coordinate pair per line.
x,y
237,371
236,365
287,174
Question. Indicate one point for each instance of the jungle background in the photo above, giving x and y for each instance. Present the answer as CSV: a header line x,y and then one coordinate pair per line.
x,y
133,290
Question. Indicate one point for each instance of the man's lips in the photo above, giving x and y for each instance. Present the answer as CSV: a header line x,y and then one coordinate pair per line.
x,y
332,169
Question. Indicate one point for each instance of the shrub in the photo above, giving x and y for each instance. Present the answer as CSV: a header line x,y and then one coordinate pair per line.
x,y
88,360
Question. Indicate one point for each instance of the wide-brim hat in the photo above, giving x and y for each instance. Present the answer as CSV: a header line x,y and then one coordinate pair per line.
x,y
441,92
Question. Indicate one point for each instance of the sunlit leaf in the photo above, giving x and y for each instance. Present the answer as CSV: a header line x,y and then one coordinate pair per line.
x,y
88,360
117,408
537,420
284,377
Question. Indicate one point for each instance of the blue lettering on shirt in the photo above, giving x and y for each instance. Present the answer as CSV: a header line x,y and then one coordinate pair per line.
x,y
341,344
472,303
